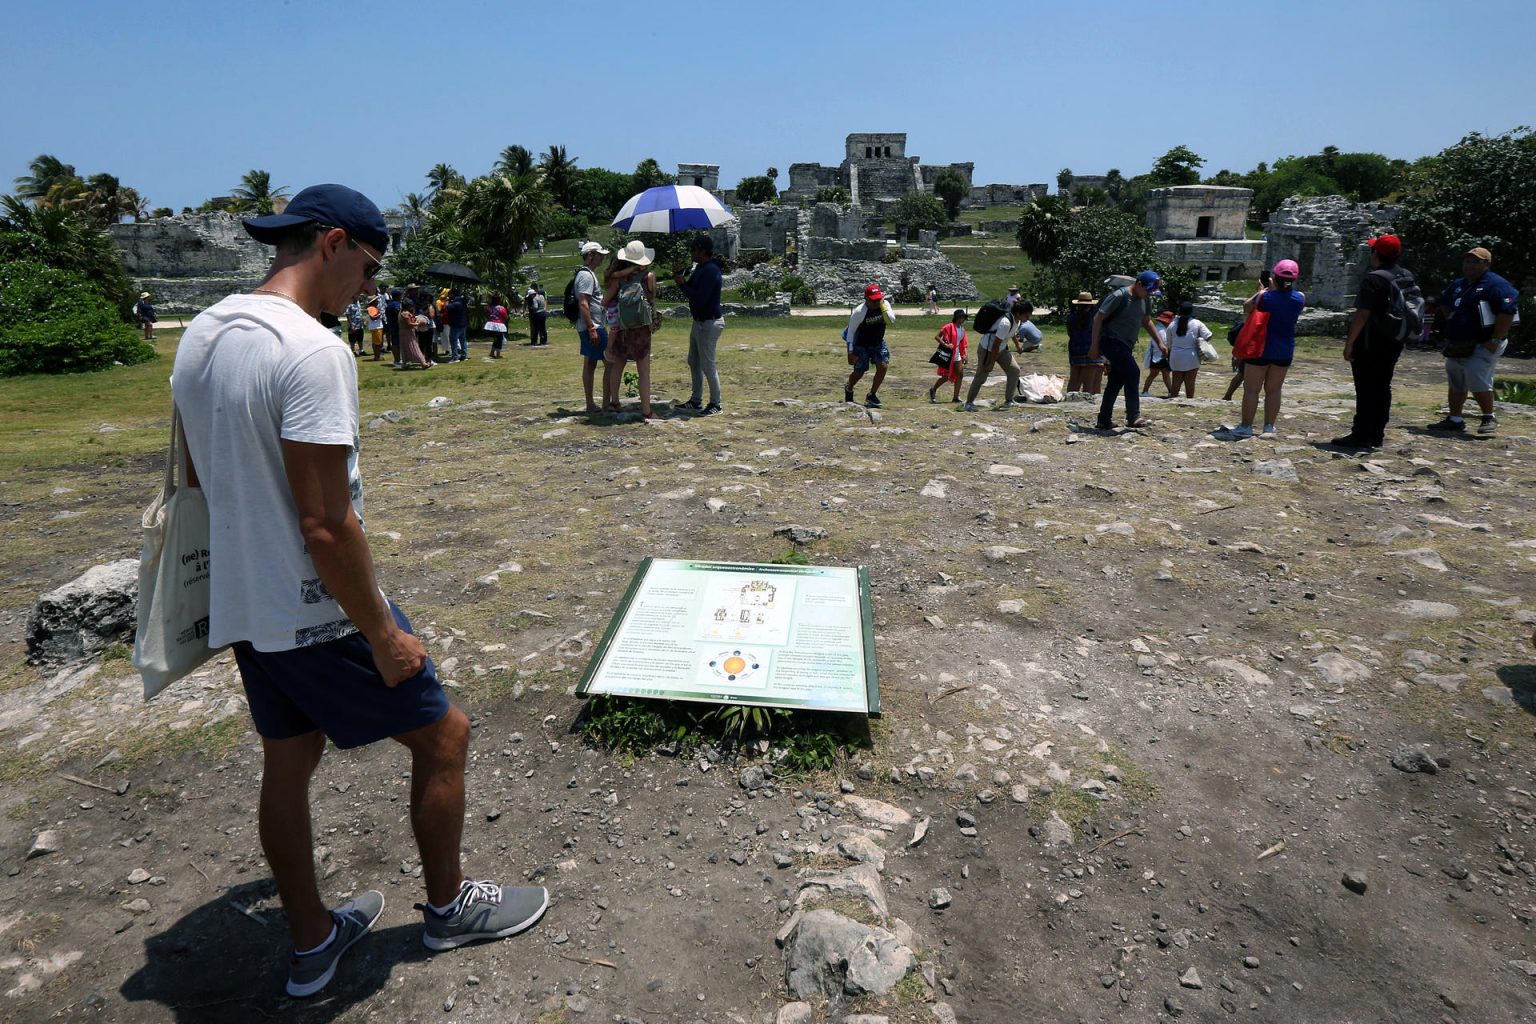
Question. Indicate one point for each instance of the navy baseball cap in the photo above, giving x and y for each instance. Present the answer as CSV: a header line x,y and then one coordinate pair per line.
x,y
1151,280
334,205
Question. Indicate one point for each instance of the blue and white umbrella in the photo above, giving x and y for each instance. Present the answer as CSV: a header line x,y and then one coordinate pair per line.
x,y
670,208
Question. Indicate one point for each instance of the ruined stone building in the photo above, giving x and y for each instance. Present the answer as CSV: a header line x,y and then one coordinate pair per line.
x,y
1326,237
1204,226
875,170
706,176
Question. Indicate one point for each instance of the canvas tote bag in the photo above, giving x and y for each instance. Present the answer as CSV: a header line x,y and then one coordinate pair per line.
x,y
171,638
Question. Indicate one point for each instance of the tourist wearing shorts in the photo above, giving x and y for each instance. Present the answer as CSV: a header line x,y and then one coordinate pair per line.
x,y
268,399
1157,354
628,343
702,287
355,321
591,322
374,307
992,350
146,316
865,337
1267,373
1477,311
1085,375
1123,314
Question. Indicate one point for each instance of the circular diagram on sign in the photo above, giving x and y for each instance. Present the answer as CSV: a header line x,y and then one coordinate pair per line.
x,y
735,666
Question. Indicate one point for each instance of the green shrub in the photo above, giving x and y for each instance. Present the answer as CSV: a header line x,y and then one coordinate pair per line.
x,y
1522,336
1520,392
910,294
561,224
893,255
801,293
833,194
758,291
53,321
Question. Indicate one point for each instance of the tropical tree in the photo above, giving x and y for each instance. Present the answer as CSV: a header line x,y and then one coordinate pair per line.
x,y
1476,192
63,238
648,174
441,177
1064,180
1179,166
833,194
949,186
598,193
757,188
917,211
1043,227
107,200
256,193
515,160
557,171
44,172
1099,241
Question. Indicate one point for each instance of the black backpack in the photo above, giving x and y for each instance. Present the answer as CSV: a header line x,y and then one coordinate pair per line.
x,y
989,314
572,305
1402,317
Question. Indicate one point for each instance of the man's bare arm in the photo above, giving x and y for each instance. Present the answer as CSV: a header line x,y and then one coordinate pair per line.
x,y
317,478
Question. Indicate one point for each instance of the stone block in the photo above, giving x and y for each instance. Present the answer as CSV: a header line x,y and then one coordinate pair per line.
x,y
86,615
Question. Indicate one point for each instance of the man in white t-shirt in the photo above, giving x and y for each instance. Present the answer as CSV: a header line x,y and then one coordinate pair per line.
x,y
992,350
268,399
591,320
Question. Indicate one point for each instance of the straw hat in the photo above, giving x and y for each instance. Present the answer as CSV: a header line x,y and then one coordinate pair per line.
x,y
1084,299
637,253
143,295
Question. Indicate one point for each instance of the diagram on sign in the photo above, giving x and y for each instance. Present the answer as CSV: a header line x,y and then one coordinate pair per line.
x,y
755,611
738,667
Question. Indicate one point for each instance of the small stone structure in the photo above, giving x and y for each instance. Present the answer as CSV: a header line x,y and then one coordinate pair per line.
x,y
705,176
1099,181
875,170
1203,226
1326,237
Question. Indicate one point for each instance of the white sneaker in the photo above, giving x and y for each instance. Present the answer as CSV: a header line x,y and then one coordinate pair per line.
x,y
1269,432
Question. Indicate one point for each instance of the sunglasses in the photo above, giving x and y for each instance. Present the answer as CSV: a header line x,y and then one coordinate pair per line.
x,y
378,264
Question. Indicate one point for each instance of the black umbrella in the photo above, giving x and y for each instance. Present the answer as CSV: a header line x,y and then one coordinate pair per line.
x,y
454,271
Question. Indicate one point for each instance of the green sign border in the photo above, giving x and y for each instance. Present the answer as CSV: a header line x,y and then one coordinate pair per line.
x,y
866,616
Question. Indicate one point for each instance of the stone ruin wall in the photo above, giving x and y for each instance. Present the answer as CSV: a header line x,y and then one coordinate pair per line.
x,y
1175,213
188,263
1326,237
1006,195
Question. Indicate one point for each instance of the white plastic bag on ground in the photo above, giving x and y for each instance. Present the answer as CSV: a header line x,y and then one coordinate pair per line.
x,y
1038,387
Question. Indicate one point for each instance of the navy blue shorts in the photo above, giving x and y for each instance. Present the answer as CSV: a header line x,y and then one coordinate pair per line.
x,y
863,356
335,688
590,349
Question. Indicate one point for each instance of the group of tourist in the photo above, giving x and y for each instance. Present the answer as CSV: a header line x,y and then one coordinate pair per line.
x,y
415,326
615,316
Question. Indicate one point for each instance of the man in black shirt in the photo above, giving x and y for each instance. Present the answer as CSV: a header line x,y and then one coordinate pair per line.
x,y
1372,346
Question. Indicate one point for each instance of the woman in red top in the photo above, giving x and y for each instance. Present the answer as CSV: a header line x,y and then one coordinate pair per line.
x,y
952,341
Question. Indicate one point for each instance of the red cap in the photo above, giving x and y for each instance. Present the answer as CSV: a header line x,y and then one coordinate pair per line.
x,y
873,293
1388,247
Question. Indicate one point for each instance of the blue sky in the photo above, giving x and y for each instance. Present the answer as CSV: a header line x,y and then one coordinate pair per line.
x,y
180,98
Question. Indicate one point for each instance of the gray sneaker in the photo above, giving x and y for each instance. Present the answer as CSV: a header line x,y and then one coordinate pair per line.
x,y
1489,425
484,910
310,973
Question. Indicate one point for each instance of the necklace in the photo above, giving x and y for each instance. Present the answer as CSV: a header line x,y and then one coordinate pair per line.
x,y
274,291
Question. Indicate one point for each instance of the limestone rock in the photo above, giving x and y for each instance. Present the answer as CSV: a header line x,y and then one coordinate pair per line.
x,y
1336,669
86,615
800,534
47,842
1276,469
831,956
1427,610
860,881
877,811
794,1013
1002,553
1410,758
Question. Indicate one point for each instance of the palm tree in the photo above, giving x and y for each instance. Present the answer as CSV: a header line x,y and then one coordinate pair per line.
x,y
255,194
440,178
45,172
515,160
507,213
558,173
648,174
108,201
1064,180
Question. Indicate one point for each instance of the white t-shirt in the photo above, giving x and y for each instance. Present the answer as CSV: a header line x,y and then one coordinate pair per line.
x,y
251,372
1184,352
587,284
1002,330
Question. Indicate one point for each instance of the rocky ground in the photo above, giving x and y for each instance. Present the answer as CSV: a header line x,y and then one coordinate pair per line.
x,y
1174,727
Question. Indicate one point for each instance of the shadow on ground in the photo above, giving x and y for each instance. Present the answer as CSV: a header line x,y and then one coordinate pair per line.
x,y
203,968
